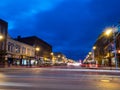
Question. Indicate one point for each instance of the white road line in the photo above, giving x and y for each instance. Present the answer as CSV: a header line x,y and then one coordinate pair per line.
x,y
15,84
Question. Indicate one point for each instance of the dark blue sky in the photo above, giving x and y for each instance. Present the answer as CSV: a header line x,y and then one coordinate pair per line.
x,y
70,26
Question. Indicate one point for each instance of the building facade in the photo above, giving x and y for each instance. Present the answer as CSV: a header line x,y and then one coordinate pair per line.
x,y
43,49
19,53
105,53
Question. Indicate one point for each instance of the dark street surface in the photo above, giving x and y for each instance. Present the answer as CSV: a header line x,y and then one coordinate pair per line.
x,y
58,79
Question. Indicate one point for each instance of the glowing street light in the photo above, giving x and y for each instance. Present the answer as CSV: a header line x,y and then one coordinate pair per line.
x,y
1,37
52,53
118,51
37,49
94,47
108,31
90,53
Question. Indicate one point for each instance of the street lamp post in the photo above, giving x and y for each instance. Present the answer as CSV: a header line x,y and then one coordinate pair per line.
x,y
52,57
37,49
108,32
94,47
115,49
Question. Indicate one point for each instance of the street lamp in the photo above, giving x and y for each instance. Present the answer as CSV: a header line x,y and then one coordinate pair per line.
x,y
119,51
52,55
90,53
108,31
37,49
112,31
1,37
58,56
94,47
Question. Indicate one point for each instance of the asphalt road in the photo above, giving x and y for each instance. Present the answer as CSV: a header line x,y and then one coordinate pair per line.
x,y
58,79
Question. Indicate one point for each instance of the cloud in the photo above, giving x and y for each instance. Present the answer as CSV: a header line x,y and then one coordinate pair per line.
x,y
22,10
70,26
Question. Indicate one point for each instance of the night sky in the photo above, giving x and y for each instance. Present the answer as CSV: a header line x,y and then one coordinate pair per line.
x,y
70,26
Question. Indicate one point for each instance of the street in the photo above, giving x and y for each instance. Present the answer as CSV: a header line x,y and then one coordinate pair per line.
x,y
58,79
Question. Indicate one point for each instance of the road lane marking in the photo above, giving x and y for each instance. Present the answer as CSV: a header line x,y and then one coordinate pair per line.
x,y
15,84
